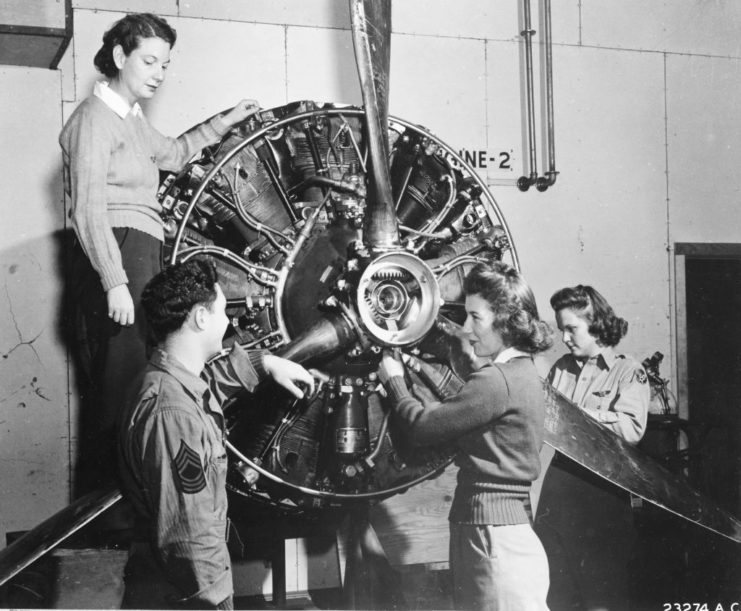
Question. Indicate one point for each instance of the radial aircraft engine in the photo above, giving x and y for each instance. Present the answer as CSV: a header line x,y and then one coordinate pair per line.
x,y
287,209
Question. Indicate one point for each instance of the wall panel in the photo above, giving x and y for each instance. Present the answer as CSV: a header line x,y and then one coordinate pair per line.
x,y
438,83
603,223
241,61
306,13
35,424
703,134
320,66
464,19
676,26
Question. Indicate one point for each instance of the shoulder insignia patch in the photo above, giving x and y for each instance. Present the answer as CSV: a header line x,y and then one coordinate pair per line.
x,y
641,376
189,476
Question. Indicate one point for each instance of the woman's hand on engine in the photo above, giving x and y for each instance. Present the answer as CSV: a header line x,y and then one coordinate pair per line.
x,y
390,366
241,111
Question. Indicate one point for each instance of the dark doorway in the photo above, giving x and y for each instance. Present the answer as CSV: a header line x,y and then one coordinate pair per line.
x,y
708,314
713,310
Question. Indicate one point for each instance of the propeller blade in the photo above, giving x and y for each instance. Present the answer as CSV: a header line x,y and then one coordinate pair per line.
x,y
576,435
51,532
371,32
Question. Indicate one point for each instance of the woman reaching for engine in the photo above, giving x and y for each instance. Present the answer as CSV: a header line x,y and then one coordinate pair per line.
x,y
496,422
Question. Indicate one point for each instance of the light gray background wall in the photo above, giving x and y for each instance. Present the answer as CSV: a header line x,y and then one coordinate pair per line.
x,y
647,132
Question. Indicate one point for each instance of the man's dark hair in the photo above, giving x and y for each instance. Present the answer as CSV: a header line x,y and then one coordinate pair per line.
x,y
169,297
590,305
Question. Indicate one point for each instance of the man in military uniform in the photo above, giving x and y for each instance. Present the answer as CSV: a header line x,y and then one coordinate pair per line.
x,y
172,446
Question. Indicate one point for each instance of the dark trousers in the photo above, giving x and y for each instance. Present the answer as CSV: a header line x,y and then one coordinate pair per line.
x,y
109,356
586,526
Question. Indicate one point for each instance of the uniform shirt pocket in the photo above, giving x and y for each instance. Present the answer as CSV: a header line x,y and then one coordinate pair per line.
x,y
217,468
601,400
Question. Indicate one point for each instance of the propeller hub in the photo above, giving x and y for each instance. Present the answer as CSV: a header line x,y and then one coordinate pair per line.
x,y
398,299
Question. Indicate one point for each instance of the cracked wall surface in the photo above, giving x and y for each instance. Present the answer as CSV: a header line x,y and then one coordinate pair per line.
x,y
34,388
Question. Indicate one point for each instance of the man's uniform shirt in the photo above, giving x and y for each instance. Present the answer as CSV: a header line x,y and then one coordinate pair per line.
x,y
174,464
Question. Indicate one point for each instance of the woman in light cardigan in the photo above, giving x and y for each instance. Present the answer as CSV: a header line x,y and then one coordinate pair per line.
x,y
112,158
496,421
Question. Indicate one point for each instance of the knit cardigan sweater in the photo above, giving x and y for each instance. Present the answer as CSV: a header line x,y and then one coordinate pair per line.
x,y
496,421
112,174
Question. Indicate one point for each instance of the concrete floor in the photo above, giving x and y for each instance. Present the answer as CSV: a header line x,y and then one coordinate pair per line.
x,y
673,561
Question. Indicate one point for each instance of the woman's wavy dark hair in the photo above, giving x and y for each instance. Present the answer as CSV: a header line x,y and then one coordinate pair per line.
x,y
128,32
589,305
169,297
512,301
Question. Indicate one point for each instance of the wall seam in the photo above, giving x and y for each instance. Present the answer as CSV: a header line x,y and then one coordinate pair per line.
x,y
486,100
285,58
671,280
578,43
65,244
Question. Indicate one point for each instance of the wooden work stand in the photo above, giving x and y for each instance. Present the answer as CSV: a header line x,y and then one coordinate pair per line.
x,y
391,554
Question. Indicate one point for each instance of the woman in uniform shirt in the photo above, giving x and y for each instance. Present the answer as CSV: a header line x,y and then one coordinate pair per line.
x,y
586,523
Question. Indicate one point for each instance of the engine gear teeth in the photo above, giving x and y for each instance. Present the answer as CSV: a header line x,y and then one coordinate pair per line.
x,y
377,316
388,274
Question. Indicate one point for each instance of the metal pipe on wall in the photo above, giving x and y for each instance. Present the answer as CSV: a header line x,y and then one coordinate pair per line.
x,y
549,178
527,33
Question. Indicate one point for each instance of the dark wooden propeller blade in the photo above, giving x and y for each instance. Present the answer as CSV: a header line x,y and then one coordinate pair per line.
x,y
371,32
50,533
576,435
